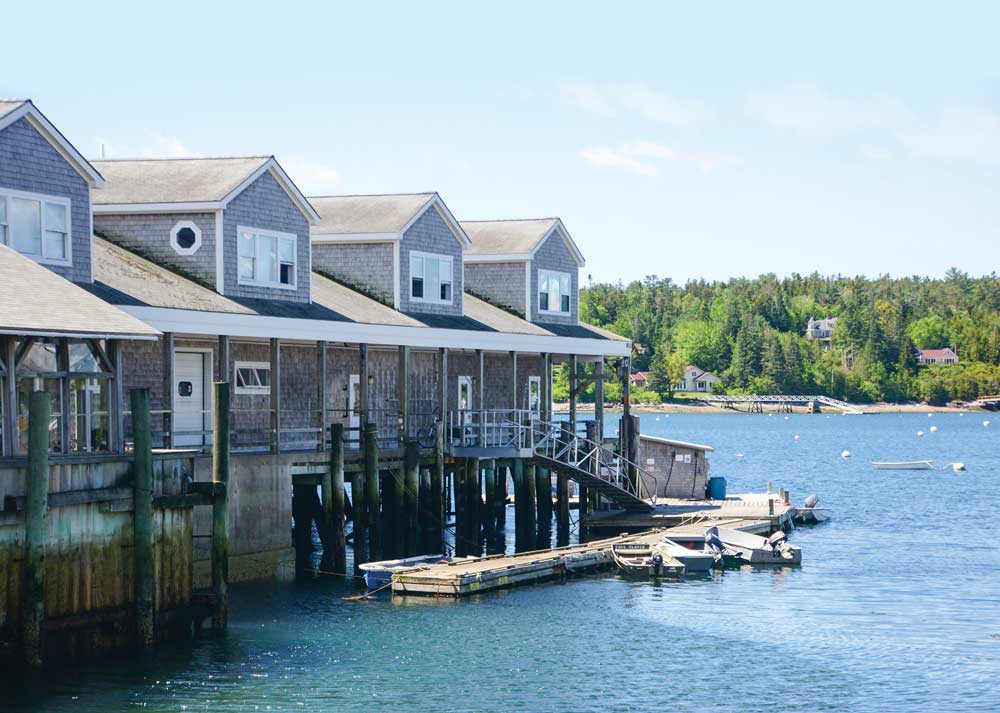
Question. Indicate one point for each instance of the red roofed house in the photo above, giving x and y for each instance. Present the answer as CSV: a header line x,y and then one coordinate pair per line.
x,y
937,356
640,379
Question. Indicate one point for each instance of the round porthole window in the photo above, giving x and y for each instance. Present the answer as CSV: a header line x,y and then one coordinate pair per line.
x,y
185,238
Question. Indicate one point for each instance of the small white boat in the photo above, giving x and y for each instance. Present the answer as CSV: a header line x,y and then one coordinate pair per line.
x,y
378,574
904,465
756,550
694,561
641,558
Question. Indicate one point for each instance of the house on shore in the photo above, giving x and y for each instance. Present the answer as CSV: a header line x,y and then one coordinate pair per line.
x,y
937,356
697,380
159,278
821,330
640,379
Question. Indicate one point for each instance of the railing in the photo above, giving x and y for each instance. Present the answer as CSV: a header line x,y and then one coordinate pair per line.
x,y
490,428
782,399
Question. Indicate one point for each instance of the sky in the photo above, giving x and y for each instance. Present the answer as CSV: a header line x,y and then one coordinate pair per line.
x,y
673,140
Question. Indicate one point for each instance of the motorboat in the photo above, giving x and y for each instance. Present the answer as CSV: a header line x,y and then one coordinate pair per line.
x,y
754,549
642,558
694,561
904,465
379,574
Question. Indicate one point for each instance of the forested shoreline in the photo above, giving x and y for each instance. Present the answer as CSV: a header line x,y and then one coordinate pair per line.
x,y
751,333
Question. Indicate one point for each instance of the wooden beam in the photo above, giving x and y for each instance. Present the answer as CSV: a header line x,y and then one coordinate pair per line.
x,y
573,365
102,356
443,384
167,420
21,351
65,419
118,397
275,395
599,399
363,385
143,536
223,365
9,397
513,380
403,393
323,394
481,393
546,405
221,445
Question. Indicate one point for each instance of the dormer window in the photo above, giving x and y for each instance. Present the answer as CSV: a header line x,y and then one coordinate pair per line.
x,y
185,238
36,225
266,258
554,292
430,278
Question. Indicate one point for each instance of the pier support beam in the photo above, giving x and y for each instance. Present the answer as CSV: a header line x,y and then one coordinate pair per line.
x,y
520,498
473,505
489,470
411,491
220,505
437,495
359,509
373,520
36,527
530,493
142,524
333,503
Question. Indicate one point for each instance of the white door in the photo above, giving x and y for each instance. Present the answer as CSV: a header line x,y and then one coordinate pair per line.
x,y
535,395
465,404
353,402
189,398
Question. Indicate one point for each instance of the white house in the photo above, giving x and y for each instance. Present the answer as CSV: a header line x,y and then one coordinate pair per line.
x,y
696,379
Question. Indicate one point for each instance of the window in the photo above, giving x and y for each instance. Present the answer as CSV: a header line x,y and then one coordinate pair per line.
x,y
266,258
36,225
185,238
554,292
535,394
252,377
430,278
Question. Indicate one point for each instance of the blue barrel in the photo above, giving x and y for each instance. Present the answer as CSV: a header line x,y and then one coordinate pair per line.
x,y
717,488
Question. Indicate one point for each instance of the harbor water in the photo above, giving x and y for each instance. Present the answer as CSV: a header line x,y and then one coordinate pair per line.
x,y
895,608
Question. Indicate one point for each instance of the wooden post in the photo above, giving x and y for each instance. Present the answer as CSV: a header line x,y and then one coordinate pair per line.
x,y
169,400
411,491
275,396
36,527
9,396
481,393
394,514
513,381
458,490
437,513
363,387
322,413
65,422
359,508
503,472
599,399
489,469
403,393
333,502
443,384
562,511
520,522
117,396
574,377
545,408
224,352
474,505
374,511
221,445
142,524
530,522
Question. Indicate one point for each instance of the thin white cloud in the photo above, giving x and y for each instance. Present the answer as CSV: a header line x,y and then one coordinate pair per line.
x,y
814,112
312,177
638,99
644,158
960,133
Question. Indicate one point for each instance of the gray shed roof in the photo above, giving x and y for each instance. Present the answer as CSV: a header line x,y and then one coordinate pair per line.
x,y
496,237
356,306
36,301
499,319
184,180
350,215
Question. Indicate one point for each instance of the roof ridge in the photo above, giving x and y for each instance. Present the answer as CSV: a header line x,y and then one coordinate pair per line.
x,y
375,195
510,220
182,158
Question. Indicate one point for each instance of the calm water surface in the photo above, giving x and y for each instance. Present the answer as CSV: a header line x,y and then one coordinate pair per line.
x,y
896,607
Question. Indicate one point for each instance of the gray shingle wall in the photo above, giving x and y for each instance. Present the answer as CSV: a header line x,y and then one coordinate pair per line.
x,y
29,163
367,266
554,255
149,235
264,204
142,368
430,234
667,476
501,283
498,372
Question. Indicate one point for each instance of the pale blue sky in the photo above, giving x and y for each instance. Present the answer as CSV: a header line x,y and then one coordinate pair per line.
x,y
860,139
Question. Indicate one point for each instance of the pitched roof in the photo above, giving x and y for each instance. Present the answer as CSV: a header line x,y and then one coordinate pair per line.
x,y
57,307
351,215
937,353
518,239
184,180
13,110
673,442
356,306
498,319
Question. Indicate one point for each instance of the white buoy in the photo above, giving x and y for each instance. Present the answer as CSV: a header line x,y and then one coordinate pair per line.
x,y
796,436
961,414
920,433
933,429
845,454
739,455
929,415
986,424
958,467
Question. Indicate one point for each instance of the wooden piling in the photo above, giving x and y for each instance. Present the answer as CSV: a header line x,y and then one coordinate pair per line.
x,y
373,509
359,513
333,500
460,497
562,510
142,523
411,490
220,505
503,473
529,505
36,527
489,469
437,512
474,506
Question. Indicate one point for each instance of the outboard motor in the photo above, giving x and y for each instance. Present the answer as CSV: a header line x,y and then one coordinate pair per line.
x,y
657,562
812,501
777,539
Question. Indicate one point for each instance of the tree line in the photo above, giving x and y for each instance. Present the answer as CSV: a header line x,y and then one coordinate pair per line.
x,y
751,333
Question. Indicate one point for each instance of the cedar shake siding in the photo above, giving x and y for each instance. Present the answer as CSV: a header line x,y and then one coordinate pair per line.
x,y
149,236
500,283
430,234
554,255
28,162
264,204
367,267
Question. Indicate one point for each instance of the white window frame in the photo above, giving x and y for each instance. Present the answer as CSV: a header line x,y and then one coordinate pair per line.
x,y
251,390
178,227
436,300
542,279
535,383
263,232
6,236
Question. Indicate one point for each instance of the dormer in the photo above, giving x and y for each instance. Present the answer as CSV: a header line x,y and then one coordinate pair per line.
x,y
238,225
45,187
404,250
531,267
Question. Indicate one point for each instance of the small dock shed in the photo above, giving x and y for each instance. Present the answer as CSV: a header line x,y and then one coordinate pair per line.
x,y
673,469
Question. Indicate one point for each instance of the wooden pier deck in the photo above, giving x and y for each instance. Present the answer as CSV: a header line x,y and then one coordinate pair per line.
x,y
673,512
458,579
